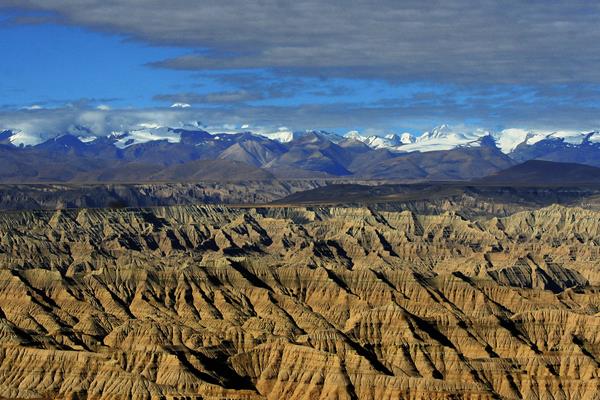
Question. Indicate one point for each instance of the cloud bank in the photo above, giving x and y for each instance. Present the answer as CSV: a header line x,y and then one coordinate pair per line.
x,y
463,40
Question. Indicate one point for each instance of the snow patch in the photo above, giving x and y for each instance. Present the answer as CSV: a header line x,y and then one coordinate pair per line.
x,y
86,139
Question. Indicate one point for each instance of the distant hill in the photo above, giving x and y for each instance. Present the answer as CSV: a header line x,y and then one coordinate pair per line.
x,y
545,173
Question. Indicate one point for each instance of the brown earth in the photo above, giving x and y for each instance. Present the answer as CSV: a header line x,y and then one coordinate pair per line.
x,y
299,303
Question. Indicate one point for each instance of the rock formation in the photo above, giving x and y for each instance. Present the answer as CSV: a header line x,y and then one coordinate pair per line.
x,y
211,302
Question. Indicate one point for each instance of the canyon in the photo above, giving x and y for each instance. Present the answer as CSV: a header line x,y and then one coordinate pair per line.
x,y
299,302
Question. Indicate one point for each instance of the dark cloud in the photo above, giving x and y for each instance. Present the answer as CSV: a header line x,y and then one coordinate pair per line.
x,y
460,41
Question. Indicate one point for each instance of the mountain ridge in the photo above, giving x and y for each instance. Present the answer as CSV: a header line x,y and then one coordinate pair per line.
x,y
448,154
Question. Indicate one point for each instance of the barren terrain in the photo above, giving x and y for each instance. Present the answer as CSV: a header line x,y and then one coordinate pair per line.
x,y
299,303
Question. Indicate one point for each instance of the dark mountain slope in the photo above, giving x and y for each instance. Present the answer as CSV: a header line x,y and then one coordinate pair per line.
x,y
543,173
254,150
314,152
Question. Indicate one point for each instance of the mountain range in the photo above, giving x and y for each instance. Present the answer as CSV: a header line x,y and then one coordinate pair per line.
x,y
152,153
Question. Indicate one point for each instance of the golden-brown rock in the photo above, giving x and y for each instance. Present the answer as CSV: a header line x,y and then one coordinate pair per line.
x,y
297,303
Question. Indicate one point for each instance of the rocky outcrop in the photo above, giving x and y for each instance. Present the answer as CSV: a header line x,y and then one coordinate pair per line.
x,y
300,303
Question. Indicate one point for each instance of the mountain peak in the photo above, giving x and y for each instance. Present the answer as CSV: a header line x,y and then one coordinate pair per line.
x,y
355,135
407,138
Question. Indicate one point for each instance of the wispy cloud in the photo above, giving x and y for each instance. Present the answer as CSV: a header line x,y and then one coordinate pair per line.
x,y
415,113
230,97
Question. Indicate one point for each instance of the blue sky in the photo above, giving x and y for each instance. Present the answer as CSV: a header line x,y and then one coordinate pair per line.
x,y
350,65
52,65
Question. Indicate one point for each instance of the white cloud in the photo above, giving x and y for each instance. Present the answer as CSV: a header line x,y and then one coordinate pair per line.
x,y
180,105
44,124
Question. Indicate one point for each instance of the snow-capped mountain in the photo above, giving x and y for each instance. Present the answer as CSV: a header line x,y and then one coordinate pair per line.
x,y
442,137
441,153
445,137
407,138
527,143
388,141
509,139
283,135
17,137
145,133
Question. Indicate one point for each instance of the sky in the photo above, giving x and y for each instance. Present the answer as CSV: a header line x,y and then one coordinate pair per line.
x,y
372,66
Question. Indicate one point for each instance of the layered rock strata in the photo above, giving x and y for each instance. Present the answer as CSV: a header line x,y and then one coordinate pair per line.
x,y
299,303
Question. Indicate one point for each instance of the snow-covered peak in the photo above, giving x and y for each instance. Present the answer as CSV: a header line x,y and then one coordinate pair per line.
x,y
407,138
285,135
574,137
445,133
146,133
354,135
439,132
593,136
443,137
22,138
508,139
386,142
393,139
334,137
282,135
390,140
